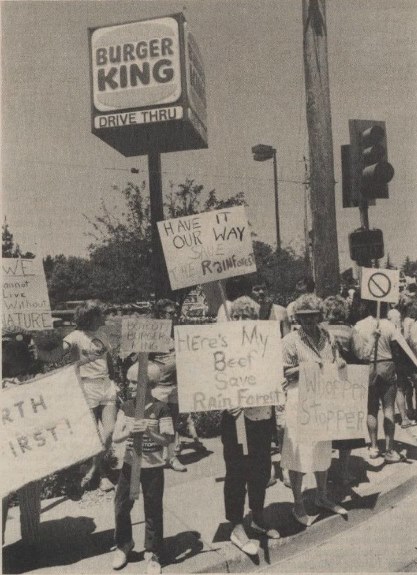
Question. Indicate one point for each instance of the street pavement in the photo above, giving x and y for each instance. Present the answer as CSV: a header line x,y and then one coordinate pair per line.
x,y
77,536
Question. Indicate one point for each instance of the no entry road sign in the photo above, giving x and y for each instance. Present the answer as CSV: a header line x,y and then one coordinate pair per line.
x,y
380,285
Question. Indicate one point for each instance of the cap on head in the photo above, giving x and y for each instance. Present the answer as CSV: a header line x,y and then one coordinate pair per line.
x,y
308,304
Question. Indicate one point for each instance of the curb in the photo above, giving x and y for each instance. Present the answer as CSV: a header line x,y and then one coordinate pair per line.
x,y
234,561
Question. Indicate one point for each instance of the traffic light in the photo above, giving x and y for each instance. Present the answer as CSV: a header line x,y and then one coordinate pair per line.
x,y
370,170
366,245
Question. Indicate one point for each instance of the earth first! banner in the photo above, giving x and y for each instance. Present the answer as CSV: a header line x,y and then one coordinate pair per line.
x,y
46,426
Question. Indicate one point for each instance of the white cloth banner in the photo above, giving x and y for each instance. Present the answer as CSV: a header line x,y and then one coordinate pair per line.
x,y
25,296
229,364
332,403
207,247
46,426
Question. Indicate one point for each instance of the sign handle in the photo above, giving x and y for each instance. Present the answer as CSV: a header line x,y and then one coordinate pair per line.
x,y
240,419
378,317
137,437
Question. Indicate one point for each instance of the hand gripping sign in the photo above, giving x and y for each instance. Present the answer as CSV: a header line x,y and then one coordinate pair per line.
x,y
46,426
207,247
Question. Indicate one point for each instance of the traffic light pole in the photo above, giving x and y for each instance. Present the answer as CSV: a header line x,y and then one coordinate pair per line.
x,y
276,200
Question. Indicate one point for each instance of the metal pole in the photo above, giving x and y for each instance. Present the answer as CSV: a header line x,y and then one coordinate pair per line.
x,y
276,200
160,274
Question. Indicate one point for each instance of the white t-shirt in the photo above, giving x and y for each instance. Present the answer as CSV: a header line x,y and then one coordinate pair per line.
x,y
82,344
389,332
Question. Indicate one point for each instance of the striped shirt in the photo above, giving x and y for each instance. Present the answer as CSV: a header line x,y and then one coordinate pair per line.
x,y
297,347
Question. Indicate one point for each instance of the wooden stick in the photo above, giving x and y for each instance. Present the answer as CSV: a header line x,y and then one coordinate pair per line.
x,y
137,437
378,317
240,419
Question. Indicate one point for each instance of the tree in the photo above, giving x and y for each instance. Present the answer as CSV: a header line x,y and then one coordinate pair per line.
x,y
409,267
10,249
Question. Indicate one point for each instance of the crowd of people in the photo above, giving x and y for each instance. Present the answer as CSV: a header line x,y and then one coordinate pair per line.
x,y
342,329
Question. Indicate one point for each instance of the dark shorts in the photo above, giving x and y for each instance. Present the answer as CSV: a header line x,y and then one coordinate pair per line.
x,y
379,389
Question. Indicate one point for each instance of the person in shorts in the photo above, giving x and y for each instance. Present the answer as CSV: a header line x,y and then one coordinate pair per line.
x,y
377,336
90,347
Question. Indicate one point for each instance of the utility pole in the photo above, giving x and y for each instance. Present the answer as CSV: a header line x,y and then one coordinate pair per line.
x,y
322,193
307,219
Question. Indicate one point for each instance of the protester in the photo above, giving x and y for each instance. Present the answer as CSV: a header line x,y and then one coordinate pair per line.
x,y
304,285
167,390
269,310
91,348
251,470
158,431
235,287
336,311
19,364
404,389
377,336
310,343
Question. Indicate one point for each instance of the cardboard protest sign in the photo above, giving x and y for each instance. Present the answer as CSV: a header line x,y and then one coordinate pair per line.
x,y
46,426
145,335
207,247
230,364
380,285
25,296
332,403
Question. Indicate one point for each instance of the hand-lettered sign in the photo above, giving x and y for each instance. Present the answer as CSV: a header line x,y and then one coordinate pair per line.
x,y
46,426
145,335
380,285
207,247
332,403
227,365
25,296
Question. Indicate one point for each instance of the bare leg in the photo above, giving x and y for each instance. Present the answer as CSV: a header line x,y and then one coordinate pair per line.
x,y
388,402
372,422
400,400
296,479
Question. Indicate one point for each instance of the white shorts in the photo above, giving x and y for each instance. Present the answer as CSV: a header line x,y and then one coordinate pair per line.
x,y
99,391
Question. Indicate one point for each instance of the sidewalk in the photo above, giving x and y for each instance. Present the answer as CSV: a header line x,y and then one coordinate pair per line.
x,y
77,536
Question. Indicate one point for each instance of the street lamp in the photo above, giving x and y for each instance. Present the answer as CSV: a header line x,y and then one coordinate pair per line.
x,y
261,153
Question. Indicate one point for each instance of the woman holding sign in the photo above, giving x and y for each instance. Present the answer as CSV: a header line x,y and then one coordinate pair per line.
x,y
252,470
310,343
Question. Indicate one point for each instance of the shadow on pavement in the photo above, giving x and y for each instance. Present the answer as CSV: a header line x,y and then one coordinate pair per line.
x,y
63,541
194,456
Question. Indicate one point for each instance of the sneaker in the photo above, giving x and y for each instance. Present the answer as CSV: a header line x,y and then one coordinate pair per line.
x,y
392,456
105,484
121,555
153,567
373,452
175,464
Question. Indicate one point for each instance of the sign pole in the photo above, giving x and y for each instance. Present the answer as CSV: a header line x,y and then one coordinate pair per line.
x,y
240,419
160,274
137,437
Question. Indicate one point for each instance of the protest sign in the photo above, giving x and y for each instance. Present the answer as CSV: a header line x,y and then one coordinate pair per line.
x,y
230,364
207,247
332,403
145,334
46,426
25,296
380,285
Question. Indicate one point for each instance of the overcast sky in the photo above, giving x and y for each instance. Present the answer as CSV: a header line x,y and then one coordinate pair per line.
x,y
54,169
